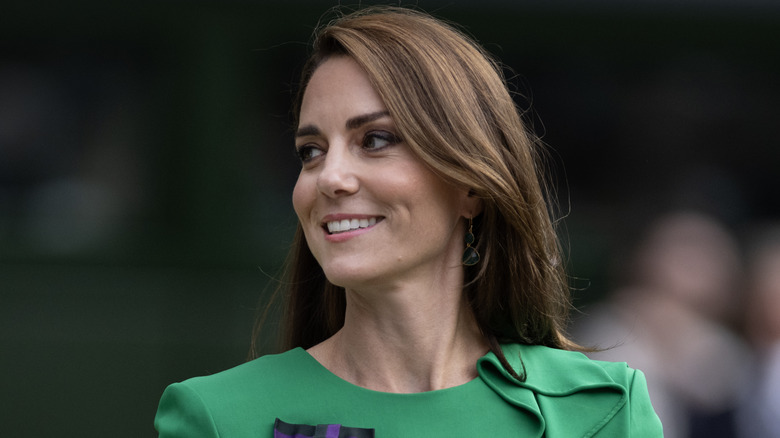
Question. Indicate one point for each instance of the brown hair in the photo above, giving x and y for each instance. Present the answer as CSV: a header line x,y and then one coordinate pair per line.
x,y
450,102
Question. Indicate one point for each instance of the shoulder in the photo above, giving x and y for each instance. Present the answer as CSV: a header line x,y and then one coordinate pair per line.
x,y
558,371
573,393
228,402
261,373
563,370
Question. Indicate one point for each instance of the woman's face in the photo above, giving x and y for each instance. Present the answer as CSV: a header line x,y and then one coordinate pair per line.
x,y
373,214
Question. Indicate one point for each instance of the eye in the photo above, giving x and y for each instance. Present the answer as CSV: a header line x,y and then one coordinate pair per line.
x,y
376,140
308,152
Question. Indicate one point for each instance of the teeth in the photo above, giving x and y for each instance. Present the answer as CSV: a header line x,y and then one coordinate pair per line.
x,y
349,224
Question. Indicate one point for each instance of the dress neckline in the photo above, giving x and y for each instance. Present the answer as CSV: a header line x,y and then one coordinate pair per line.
x,y
334,379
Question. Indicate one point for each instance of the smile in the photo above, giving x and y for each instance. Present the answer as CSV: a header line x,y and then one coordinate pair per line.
x,y
344,225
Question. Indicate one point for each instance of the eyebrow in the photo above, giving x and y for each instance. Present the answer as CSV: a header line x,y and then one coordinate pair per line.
x,y
353,123
359,121
308,130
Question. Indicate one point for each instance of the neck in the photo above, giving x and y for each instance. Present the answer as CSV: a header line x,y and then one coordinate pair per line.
x,y
406,340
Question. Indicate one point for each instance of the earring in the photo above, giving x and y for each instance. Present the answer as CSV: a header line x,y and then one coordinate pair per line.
x,y
470,254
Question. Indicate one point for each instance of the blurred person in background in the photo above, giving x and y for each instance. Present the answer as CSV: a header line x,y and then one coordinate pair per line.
x,y
760,414
673,317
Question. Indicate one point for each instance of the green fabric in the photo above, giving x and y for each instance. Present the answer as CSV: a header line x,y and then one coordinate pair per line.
x,y
565,395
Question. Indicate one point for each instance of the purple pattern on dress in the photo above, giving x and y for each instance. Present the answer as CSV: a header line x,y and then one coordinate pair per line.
x,y
333,431
278,434
286,430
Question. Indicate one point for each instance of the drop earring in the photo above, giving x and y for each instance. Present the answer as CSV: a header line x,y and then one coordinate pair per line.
x,y
470,254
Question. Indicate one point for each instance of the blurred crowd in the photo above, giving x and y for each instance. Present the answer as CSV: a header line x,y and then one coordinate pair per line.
x,y
697,308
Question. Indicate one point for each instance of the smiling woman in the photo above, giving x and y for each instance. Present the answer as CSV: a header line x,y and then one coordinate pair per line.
x,y
412,152
355,167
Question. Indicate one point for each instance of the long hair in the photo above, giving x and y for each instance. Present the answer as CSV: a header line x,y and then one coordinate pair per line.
x,y
451,105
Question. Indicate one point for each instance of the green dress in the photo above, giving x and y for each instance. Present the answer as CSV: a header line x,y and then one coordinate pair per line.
x,y
564,394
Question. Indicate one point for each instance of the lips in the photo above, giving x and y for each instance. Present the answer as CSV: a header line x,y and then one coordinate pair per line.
x,y
344,225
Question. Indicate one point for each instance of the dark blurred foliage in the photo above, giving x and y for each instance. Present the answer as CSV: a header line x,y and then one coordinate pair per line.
x,y
146,166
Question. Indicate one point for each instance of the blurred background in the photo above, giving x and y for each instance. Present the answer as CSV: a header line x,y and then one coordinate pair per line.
x,y
146,169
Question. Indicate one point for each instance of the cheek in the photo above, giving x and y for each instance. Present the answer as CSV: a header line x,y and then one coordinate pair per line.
x,y
443,197
302,197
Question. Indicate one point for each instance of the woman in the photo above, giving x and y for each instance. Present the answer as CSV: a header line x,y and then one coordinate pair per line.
x,y
426,292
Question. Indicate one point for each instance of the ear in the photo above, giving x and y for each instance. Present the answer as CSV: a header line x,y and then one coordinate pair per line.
x,y
472,205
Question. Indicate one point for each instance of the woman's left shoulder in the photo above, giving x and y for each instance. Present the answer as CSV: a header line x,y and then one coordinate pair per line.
x,y
574,395
575,365
555,370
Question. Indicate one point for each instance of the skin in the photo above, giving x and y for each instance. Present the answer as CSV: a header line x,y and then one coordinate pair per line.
x,y
407,327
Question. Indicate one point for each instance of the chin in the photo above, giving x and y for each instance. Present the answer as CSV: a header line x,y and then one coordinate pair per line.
x,y
352,277
347,281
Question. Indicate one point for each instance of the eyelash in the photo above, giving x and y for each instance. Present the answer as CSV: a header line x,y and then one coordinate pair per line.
x,y
388,137
305,151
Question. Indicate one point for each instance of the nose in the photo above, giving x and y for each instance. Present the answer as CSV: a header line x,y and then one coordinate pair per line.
x,y
338,176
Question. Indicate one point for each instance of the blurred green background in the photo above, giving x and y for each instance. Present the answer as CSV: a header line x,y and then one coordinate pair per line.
x,y
146,167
